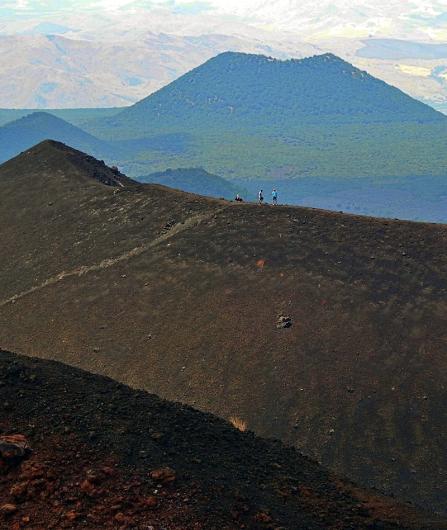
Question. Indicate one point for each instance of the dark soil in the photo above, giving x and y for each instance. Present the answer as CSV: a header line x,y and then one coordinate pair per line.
x,y
107,456
182,295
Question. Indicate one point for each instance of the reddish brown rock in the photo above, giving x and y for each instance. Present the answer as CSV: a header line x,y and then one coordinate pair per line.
x,y
121,518
8,509
72,515
151,501
164,475
263,517
87,487
18,491
13,447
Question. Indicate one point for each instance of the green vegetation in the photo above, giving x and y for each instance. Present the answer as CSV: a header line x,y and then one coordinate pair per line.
x,y
245,116
343,151
253,117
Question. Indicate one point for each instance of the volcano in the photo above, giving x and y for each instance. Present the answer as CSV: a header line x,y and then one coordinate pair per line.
x,y
322,329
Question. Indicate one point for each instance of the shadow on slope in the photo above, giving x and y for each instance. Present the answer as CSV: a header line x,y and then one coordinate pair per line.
x,y
106,455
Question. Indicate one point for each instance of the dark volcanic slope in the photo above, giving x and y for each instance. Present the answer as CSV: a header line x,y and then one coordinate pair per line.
x,y
181,295
96,445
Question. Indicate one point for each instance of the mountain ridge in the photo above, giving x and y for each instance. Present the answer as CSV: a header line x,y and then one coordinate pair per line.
x,y
100,279
63,159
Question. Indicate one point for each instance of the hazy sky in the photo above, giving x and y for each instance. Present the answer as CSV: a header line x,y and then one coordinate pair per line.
x,y
410,19
281,28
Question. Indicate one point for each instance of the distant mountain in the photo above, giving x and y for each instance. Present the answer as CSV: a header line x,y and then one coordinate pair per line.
x,y
194,180
48,28
74,116
55,71
253,90
394,49
254,116
19,135
142,45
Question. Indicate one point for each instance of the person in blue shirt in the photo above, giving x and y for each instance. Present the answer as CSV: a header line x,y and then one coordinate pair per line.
x,y
275,197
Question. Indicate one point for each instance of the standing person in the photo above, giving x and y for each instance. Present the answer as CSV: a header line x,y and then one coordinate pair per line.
x,y
260,197
275,197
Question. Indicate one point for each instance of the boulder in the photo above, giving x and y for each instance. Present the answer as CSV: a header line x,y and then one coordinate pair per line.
x,y
284,322
13,448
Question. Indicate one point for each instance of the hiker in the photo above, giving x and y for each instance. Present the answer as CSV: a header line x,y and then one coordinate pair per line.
x,y
238,198
260,197
275,197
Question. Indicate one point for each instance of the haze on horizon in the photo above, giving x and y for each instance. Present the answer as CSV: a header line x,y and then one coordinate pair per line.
x,y
416,19
403,43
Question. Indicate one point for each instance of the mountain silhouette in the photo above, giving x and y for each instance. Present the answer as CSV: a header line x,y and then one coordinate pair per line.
x,y
193,180
21,134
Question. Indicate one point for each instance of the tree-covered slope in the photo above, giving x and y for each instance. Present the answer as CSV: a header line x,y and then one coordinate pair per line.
x,y
256,91
254,116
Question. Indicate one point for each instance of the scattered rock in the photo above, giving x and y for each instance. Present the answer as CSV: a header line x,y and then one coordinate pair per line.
x,y
72,515
263,517
164,475
151,501
8,509
121,518
13,448
169,225
284,322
